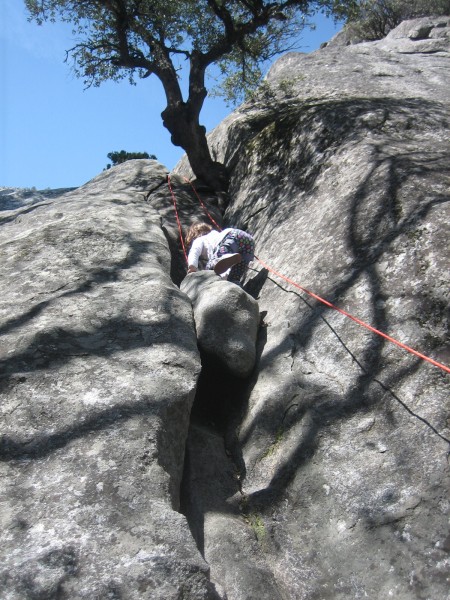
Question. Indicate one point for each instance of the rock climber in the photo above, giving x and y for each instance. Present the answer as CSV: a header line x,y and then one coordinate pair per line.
x,y
228,252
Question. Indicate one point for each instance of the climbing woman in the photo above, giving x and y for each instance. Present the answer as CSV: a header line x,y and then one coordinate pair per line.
x,y
226,252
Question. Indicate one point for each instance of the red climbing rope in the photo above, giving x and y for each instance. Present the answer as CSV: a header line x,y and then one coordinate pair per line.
x,y
177,218
203,205
359,321
315,296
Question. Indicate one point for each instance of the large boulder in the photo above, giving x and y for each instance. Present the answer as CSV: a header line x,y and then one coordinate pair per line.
x,y
340,169
99,365
226,319
427,35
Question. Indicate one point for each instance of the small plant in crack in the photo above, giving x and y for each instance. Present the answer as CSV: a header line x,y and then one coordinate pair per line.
x,y
257,524
254,520
275,444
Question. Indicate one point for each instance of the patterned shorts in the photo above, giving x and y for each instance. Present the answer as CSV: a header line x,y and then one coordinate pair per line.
x,y
235,241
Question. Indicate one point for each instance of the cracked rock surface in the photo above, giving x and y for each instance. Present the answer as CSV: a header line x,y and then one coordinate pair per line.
x,y
99,364
340,170
322,475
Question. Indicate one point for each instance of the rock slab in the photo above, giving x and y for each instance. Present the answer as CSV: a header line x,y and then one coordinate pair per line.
x,y
99,364
340,169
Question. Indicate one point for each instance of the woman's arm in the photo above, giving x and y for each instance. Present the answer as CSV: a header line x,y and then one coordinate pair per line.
x,y
194,254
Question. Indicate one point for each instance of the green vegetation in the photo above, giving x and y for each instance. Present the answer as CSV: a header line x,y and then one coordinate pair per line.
x,y
254,520
120,157
373,19
275,445
135,39
257,524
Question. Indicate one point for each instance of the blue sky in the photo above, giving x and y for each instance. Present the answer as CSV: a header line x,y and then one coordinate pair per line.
x,y
53,133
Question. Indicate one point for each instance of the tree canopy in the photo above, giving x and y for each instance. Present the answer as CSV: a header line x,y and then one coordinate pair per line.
x,y
120,156
135,39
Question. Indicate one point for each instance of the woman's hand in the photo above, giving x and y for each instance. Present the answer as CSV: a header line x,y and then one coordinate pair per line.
x,y
192,269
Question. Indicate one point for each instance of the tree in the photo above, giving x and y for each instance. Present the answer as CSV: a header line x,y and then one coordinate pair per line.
x,y
139,38
373,19
117,158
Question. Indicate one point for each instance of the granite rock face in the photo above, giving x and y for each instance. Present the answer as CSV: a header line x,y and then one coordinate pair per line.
x,y
99,364
226,320
433,32
324,474
340,170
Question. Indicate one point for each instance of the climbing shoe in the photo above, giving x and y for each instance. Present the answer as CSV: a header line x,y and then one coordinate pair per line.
x,y
227,261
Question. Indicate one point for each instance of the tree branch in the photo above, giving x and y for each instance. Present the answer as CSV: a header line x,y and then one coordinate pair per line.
x,y
223,15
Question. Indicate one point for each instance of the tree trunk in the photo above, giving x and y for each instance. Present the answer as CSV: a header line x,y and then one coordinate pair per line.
x,y
187,132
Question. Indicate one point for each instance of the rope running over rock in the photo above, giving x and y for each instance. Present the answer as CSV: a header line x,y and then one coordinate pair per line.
x,y
312,294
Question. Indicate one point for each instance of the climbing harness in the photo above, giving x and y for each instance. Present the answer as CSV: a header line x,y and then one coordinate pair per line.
x,y
306,291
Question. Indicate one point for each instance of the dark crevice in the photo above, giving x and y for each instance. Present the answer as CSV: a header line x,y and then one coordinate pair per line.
x,y
155,188
209,475
218,397
177,263
216,411
211,496
214,465
220,402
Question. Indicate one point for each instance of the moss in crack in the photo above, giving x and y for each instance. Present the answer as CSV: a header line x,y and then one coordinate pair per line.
x,y
415,234
254,520
275,444
257,524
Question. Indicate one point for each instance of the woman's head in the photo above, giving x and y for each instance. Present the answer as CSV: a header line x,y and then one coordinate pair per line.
x,y
196,230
